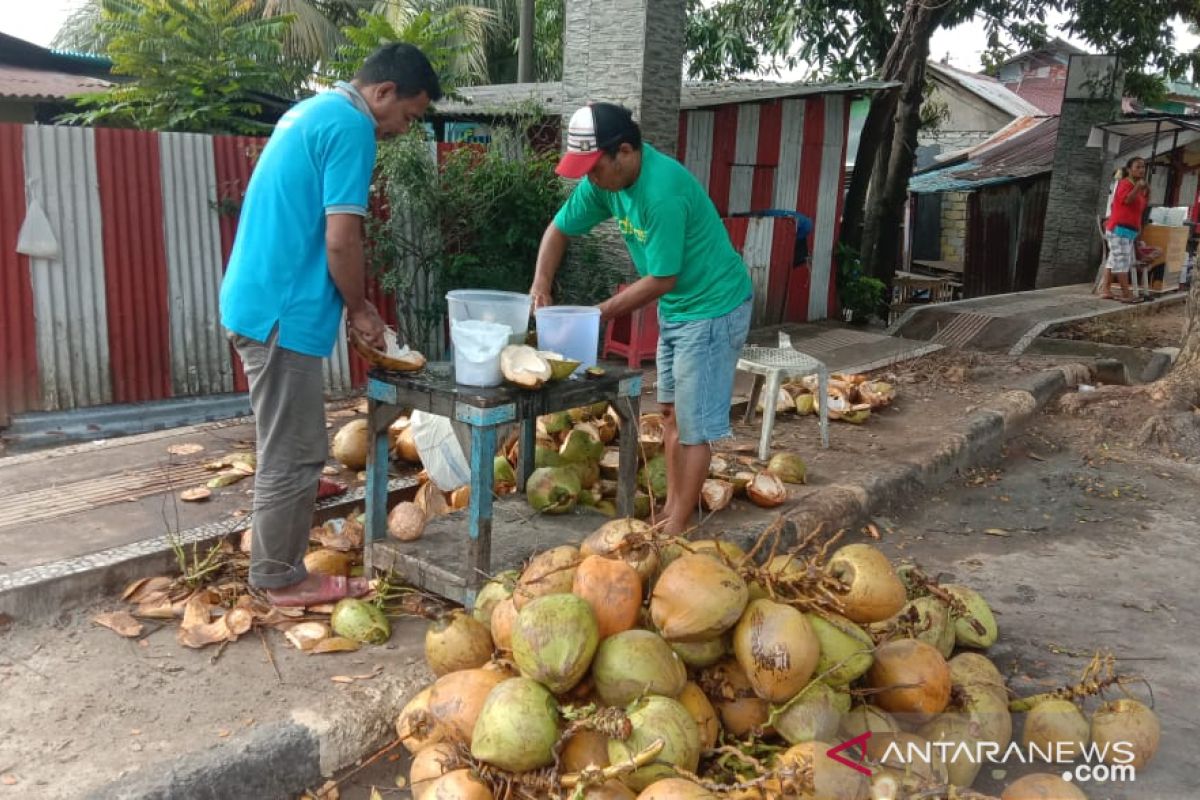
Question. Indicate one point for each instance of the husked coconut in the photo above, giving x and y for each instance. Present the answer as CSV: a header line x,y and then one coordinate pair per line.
x,y
350,444
716,495
406,522
521,364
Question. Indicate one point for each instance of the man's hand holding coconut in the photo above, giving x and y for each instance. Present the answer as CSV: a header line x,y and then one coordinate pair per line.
x,y
685,261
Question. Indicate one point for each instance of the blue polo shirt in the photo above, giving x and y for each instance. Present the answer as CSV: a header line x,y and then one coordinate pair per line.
x,y
318,161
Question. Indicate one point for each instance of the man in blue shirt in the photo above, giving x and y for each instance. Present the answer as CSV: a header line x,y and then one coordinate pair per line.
x,y
297,262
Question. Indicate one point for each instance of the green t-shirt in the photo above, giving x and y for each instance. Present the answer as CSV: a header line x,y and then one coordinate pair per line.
x,y
671,227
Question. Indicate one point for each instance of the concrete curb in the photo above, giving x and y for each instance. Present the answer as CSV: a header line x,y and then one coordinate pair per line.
x,y
976,440
277,760
47,590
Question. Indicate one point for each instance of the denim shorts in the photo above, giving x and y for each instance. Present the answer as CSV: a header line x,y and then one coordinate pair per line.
x,y
697,360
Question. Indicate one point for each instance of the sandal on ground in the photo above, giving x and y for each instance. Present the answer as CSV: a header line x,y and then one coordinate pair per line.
x,y
330,589
328,488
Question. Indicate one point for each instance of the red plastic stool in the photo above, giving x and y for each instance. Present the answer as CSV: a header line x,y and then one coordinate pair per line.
x,y
635,335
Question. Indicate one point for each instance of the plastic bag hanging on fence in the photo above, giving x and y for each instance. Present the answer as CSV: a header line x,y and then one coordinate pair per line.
x,y
36,237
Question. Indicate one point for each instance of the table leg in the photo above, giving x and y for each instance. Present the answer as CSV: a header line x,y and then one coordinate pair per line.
x,y
752,406
768,424
379,417
628,411
823,397
526,451
479,553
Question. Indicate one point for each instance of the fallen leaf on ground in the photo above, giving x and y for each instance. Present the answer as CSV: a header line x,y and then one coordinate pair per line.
x,y
186,449
873,531
373,673
996,532
222,733
1035,457
342,679
121,622
8,780
196,495
335,644
225,479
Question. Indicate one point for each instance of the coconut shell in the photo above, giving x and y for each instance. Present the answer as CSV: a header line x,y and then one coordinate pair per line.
x,y
766,490
961,769
627,539
406,522
455,642
977,627
1042,786
777,648
634,663
504,617
912,677
716,495
614,591
846,649
461,784
520,364
702,654
428,765
326,561
495,590
585,748
1130,731
975,670
350,444
675,789
517,728
874,591
554,640
740,709
696,599
404,445
549,572
652,718
701,708
1055,728
814,713
416,726
831,779
457,699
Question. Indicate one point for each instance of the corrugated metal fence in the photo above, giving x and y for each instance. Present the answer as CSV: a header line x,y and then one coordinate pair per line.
x,y
128,311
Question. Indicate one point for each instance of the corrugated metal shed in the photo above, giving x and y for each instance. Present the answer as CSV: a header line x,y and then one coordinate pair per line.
x,y
36,84
503,98
985,87
1016,157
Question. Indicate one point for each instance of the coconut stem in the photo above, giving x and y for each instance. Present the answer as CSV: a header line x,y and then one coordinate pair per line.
x,y
596,776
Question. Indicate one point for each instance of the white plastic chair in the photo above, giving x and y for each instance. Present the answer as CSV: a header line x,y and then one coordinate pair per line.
x,y
772,366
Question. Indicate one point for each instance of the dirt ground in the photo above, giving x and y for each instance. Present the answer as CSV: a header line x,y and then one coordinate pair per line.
x,y
1159,329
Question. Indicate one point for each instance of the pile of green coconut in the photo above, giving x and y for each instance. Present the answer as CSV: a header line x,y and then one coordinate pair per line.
x,y
577,463
638,667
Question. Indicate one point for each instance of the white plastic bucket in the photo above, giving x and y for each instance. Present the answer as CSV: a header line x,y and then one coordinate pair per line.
x,y
477,347
573,331
505,308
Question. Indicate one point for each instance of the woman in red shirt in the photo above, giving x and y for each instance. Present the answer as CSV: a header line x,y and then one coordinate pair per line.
x,y
1124,221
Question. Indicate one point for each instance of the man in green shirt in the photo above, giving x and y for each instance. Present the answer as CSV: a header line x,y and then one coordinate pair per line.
x,y
686,262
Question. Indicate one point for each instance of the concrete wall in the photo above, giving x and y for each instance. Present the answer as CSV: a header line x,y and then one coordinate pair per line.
x,y
1071,246
954,226
628,52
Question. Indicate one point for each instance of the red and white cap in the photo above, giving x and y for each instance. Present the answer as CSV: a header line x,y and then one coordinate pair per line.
x,y
592,128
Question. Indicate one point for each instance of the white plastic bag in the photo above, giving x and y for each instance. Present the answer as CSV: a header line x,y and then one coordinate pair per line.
x,y
477,347
440,451
37,238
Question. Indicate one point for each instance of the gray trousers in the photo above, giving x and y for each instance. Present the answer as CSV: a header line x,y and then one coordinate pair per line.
x,y
287,395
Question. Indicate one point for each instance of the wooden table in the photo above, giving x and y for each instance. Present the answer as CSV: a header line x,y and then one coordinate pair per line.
x,y
483,411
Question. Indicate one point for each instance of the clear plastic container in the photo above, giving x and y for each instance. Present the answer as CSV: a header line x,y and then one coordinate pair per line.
x,y
573,331
485,305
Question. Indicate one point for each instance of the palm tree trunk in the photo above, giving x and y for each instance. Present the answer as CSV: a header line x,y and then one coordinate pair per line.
x,y
525,43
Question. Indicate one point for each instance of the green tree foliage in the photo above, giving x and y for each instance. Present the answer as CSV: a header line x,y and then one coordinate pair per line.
x,y
198,65
473,222
439,37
